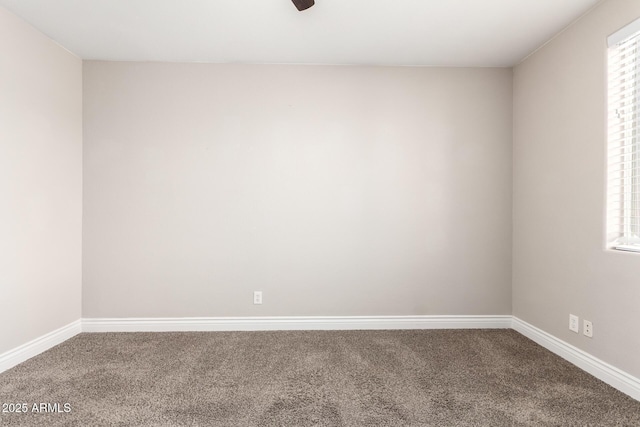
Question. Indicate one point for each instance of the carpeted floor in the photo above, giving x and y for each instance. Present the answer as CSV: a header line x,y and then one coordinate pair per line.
x,y
332,378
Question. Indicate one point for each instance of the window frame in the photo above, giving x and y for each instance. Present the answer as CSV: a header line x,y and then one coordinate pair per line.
x,y
623,139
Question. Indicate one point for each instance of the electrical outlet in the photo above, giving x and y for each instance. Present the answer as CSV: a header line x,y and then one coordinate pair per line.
x,y
587,327
257,297
574,323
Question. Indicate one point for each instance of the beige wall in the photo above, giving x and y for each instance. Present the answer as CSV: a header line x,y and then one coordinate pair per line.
x,y
40,184
335,190
560,262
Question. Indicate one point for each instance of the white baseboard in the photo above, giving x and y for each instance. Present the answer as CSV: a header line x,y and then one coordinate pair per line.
x,y
611,375
294,323
34,347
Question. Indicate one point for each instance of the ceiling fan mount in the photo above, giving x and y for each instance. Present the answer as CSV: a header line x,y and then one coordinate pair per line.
x,y
303,4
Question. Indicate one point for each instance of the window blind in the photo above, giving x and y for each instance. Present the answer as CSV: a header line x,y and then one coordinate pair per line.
x,y
623,154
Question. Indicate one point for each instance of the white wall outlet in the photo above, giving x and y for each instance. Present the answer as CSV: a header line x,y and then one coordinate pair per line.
x,y
587,328
257,297
574,323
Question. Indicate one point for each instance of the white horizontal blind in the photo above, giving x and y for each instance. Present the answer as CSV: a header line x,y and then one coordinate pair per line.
x,y
623,195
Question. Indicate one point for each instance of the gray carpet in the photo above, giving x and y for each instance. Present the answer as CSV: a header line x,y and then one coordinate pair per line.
x,y
336,378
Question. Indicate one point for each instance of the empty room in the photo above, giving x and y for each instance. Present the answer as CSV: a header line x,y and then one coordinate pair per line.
x,y
319,213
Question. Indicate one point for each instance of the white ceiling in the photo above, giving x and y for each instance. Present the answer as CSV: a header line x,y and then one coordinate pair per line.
x,y
382,32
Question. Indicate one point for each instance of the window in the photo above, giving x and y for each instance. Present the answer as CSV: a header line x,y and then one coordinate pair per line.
x,y
623,154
